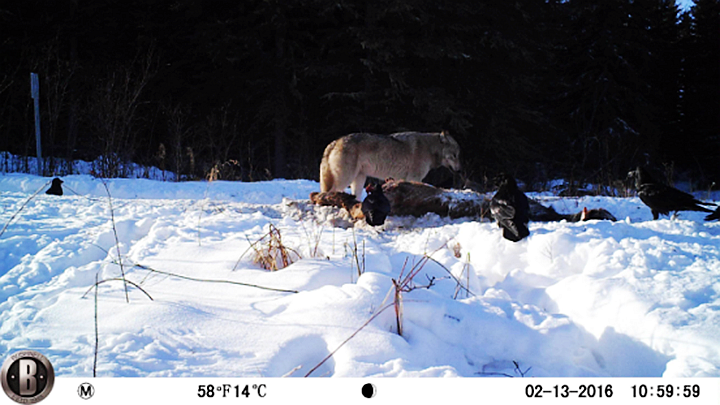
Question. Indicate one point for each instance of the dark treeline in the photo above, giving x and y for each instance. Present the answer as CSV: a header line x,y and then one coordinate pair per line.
x,y
255,89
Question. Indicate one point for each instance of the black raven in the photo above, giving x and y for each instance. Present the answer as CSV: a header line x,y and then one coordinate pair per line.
x,y
510,208
375,206
664,199
55,188
714,215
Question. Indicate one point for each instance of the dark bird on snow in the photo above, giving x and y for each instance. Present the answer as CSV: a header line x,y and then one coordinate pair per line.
x,y
663,199
55,188
375,206
510,208
715,215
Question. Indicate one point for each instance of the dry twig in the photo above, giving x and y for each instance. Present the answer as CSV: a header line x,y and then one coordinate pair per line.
x,y
23,207
117,240
140,266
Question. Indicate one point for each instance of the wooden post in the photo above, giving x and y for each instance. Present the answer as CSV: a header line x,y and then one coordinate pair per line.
x,y
35,92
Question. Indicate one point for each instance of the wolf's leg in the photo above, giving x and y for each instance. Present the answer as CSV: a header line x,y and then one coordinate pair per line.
x,y
326,177
357,185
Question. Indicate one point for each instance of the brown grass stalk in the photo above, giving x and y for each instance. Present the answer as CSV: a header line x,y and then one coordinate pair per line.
x,y
270,252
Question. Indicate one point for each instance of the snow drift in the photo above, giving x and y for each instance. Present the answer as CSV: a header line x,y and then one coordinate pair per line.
x,y
635,297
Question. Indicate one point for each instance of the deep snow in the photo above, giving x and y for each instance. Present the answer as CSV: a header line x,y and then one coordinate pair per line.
x,y
634,297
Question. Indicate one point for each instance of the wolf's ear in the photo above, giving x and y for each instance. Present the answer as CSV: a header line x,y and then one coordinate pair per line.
x,y
444,136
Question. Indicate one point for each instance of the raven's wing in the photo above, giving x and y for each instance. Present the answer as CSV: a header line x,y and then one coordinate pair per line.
x,y
664,199
500,210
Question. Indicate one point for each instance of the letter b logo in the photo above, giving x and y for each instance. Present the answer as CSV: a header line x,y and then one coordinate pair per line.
x,y
27,377
28,382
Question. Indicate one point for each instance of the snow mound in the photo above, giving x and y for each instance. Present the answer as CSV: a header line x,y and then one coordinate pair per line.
x,y
634,297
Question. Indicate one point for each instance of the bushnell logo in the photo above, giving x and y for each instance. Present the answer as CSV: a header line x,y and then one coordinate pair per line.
x,y
27,377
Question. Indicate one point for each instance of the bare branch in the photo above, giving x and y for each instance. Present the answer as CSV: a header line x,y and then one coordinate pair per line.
x,y
117,240
140,266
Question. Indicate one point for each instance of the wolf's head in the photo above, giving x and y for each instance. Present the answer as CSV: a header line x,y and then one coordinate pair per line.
x,y
450,152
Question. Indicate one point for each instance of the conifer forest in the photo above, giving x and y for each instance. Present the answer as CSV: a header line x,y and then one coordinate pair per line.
x,y
583,90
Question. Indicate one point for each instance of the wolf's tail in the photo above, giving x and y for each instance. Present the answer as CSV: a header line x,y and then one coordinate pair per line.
x,y
326,177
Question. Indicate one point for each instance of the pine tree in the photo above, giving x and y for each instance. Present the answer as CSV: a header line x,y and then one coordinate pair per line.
x,y
621,85
701,97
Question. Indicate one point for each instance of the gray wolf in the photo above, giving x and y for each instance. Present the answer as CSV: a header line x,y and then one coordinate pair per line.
x,y
349,160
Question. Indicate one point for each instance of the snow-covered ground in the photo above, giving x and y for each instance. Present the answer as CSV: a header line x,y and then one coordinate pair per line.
x,y
635,297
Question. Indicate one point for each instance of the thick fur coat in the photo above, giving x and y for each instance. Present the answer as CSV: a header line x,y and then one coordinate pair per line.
x,y
349,160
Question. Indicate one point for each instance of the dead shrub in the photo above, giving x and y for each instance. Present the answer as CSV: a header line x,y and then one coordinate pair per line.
x,y
270,252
